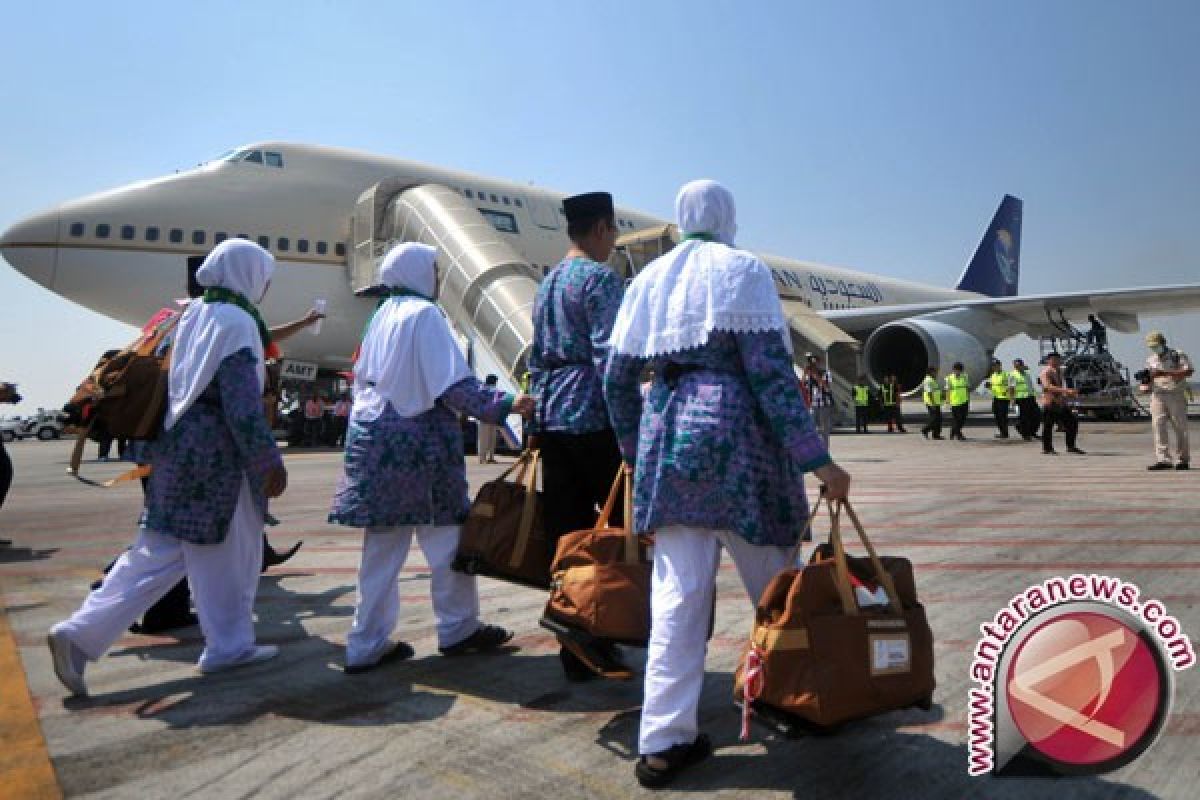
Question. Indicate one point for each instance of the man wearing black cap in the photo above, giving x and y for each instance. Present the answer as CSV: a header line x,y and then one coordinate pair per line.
x,y
572,320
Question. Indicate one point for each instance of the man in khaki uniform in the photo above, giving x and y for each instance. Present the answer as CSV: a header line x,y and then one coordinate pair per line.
x,y
1169,370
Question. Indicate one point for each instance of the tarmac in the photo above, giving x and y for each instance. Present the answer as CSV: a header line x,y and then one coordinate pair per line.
x,y
981,520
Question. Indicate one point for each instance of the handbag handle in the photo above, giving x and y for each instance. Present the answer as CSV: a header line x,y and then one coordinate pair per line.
x,y
807,527
631,539
528,468
842,569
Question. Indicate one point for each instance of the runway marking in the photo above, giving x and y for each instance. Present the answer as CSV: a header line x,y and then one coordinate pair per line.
x,y
25,769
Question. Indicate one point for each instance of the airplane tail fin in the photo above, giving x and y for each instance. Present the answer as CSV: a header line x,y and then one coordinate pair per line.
x,y
996,265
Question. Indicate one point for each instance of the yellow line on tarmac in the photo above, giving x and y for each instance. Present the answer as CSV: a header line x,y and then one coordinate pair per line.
x,y
25,769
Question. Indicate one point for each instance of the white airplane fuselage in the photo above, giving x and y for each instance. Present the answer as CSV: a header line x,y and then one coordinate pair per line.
x,y
128,275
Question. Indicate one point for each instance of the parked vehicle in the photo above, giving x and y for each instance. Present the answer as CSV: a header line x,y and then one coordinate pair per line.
x,y
44,425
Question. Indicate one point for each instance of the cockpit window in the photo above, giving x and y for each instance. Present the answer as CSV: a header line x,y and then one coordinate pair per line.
x,y
251,156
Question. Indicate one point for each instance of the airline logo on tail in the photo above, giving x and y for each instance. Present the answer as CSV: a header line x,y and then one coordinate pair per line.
x,y
1006,260
995,268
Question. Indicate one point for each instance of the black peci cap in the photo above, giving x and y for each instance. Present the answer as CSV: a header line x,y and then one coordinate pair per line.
x,y
589,206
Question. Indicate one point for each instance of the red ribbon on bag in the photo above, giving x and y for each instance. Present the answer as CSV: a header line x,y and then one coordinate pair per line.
x,y
752,686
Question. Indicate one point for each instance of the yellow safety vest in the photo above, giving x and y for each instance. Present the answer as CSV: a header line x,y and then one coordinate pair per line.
x,y
932,392
862,395
958,389
889,394
999,385
1021,386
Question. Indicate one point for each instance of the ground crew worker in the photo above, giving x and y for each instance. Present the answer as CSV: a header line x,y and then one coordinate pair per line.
x,y
1024,395
958,392
862,405
1169,370
931,393
890,391
998,384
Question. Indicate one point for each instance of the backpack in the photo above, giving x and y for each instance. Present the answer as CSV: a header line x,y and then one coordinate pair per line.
x,y
126,392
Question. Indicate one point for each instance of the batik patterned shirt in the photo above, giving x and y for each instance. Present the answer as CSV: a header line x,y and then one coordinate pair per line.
x,y
199,464
410,471
572,320
726,446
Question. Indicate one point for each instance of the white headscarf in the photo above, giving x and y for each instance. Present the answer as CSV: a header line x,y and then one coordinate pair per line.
x,y
208,333
409,356
700,286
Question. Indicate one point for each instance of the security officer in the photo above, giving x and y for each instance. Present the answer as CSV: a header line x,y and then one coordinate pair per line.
x,y
1169,370
890,392
1025,396
998,384
862,404
958,391
931,393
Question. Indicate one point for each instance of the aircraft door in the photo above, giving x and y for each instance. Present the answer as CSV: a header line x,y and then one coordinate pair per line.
x,y
544,214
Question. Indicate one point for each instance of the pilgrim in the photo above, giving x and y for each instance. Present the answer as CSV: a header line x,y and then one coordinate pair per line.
x,y
404,474
719,447
215,464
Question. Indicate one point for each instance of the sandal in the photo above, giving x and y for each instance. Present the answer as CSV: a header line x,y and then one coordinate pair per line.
x,y
488,637
401,651
678,758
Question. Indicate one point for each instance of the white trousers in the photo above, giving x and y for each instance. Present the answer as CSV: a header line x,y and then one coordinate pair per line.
x,y
223,579
682,587
486,444
1168,410
823,420
455,597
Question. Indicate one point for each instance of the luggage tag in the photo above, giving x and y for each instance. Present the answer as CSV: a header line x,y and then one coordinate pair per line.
x,y
891,653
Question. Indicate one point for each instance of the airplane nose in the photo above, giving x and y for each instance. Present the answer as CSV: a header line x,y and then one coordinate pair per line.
x,y
31,246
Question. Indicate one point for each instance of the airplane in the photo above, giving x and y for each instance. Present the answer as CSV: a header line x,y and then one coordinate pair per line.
x,y
328,214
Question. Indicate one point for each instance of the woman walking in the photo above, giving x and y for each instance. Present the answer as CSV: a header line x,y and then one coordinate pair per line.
x,y
404,470
719,447
215,464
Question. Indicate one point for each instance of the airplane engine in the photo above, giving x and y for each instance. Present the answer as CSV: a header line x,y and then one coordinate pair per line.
x,y
908,347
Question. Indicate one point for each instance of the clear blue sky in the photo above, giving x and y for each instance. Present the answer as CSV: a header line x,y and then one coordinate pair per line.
x,y
878,135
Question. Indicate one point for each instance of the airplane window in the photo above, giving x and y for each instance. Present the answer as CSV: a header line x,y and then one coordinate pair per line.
x,y
505,200
468,193
242,236
102,231
151,234
340,249
176,235
517,202
77,229
302,245
283,244
501,220
219,237
322,248
127,232
264,242
494,200
274,159
197,237
254,157
234,155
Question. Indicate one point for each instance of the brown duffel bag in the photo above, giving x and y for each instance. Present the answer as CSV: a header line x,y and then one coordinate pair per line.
x,y
503,535
601,577
817,655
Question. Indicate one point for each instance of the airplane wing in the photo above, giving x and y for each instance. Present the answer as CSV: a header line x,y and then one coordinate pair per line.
x,y
1031,314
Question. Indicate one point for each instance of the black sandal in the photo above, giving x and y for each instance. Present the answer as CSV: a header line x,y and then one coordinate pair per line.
x,y
401,651
678,758
488,637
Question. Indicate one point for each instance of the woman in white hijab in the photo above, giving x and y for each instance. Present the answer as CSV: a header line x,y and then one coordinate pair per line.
x,y
719,447
214,466
404,472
